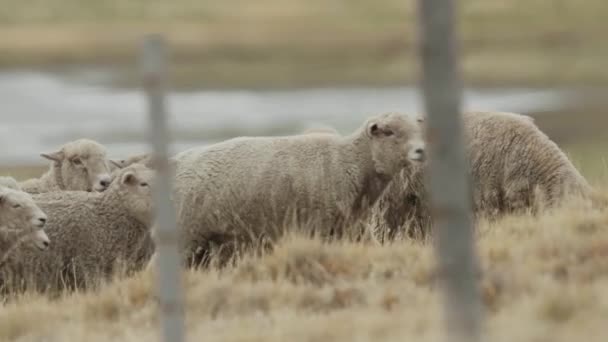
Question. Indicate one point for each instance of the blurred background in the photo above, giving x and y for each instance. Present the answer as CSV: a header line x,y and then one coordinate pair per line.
x,y
68,69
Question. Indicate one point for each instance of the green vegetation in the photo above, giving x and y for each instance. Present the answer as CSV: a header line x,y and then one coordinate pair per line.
x,y
286,43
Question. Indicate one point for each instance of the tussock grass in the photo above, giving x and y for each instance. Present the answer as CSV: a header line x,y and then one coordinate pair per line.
x,y
543,278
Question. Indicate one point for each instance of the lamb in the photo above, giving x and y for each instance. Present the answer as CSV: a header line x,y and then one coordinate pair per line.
x,y
514,168
20,218
78,165
142,158
252,187
92,233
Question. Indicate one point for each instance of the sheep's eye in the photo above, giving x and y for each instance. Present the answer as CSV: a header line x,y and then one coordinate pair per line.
x,y
143,184
16,206
77,161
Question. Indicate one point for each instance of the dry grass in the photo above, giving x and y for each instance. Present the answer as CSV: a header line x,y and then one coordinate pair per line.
x,y
544,280
309,42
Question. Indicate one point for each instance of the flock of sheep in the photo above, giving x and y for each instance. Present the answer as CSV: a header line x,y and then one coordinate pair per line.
x,y
89,216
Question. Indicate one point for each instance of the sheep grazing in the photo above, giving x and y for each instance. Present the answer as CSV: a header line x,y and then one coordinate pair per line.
x,y
20,218
78,165
93,234
514,168
251,187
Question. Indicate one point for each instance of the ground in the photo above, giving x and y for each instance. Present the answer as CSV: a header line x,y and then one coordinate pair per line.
x,y
544,279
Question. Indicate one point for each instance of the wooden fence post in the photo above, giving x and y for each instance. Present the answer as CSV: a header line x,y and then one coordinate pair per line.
x,y
154,69
448,175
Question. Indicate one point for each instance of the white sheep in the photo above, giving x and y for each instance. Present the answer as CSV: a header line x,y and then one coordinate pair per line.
x,y
78,165
142,158
514,167
91,232
20,218
9,182
249,187
320,129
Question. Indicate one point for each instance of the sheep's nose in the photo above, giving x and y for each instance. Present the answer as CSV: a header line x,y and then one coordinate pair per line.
x,y
46,243
417,154
103,182
42,220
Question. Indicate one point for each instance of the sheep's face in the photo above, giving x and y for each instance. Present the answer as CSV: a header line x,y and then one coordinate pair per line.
x,y
135,183
397,141
84,165
21,217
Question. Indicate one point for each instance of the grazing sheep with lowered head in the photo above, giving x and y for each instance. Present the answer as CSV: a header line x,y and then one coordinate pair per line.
x,y
514,168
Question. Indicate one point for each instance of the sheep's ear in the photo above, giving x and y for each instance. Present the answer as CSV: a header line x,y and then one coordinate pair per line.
x,y
375,130
128,178
54,156
118,164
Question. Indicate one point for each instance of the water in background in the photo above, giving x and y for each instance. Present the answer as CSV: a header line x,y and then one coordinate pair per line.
x,y
41,111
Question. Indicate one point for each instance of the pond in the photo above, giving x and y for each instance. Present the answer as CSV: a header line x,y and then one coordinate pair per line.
x,y
42,110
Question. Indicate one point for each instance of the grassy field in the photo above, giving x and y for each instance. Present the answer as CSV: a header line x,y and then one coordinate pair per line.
x,y
284,43
544,279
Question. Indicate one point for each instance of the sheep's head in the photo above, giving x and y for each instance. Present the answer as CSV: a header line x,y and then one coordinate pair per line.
x,y
397,141
20,217
83,165
134,186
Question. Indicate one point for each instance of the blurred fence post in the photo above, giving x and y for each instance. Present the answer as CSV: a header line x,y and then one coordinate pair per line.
x,y
448,176
154,70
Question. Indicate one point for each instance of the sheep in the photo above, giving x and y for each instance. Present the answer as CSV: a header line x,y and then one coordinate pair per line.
x,y
78,165
142,158
9,182
320,130
20,218
514,168
410,181
92,233
249,187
